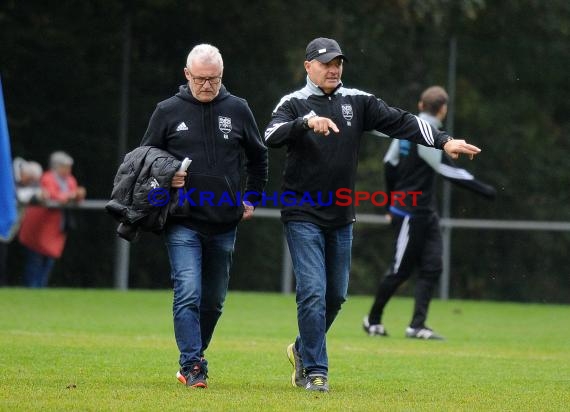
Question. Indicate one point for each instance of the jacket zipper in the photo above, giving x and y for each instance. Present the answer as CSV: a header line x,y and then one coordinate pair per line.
x,y
208,134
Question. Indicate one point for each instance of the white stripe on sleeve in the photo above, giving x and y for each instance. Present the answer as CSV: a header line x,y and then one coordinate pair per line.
x,y
272,129
454,172
425,128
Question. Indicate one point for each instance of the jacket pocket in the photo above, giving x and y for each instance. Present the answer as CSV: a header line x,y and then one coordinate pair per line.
x,y
208,198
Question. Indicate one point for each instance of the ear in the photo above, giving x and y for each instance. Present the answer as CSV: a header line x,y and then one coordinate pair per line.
x,y
307,65
187,74
442,112
421,106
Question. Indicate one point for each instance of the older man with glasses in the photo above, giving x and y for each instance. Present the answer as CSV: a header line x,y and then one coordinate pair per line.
x,y
215,129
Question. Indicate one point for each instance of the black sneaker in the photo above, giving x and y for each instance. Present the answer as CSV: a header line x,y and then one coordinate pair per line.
x,y
422,333
196,377
298,377
373,330
317,383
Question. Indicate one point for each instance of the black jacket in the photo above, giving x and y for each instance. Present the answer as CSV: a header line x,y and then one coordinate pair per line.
x,y
137,200
411,168
221,137
317,165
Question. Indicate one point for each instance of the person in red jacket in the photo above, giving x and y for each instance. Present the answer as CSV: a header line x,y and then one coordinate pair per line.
x,y
43,231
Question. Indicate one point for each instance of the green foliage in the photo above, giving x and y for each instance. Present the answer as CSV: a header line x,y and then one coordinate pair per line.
x,y
94,350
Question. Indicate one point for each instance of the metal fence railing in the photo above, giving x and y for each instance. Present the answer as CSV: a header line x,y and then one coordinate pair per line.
x,y
121,267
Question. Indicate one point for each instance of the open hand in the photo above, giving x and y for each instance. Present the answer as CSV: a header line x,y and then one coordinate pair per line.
x,y
456,147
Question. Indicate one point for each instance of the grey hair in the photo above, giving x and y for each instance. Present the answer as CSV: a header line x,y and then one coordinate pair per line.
x,y
26,168
32,169
205,53
60,159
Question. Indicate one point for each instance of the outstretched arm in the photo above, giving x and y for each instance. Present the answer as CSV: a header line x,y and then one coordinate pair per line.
x,y
442,164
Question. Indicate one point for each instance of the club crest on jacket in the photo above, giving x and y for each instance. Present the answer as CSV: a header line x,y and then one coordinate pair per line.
x,y
225,125
347,113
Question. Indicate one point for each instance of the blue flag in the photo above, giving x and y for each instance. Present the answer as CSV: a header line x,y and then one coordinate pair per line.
x,y
8,212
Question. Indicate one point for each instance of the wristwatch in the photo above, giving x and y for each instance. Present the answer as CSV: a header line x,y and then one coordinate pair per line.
x,y
447,139
306,120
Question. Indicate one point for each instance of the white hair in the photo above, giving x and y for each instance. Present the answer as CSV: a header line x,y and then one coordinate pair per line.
x,y
26,168
205,53
60,159
32,169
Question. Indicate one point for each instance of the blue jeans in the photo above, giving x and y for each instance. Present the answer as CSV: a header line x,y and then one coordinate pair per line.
x,y
321,262
200,272
37,269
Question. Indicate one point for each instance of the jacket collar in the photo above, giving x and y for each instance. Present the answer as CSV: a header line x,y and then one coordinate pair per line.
x,y
434,121
316,90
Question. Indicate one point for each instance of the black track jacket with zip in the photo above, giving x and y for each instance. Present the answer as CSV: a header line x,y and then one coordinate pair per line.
x,y
412,168
221,137
318,168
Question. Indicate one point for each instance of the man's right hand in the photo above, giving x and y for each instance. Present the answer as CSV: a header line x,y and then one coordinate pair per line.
x,y
178,180
322,125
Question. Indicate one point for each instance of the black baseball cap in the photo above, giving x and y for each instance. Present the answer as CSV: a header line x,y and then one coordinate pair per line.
x,y
323,50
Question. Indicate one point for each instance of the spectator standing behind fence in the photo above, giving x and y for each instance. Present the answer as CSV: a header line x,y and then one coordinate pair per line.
x,y
27,176
216,129
321,126
417,235
43,231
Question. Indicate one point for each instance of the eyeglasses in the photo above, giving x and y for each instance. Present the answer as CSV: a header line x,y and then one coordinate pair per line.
x,y
200,81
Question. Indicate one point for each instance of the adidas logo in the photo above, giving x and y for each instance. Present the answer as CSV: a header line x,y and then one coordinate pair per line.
x,y
181,126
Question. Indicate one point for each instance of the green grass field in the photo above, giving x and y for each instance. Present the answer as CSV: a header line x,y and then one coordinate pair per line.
x,y
100,350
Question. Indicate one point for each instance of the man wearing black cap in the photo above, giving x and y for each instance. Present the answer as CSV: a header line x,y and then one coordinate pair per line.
x,y
319,233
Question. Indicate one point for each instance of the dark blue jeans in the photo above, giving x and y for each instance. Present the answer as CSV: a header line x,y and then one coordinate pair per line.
x,y
321,262
37,269
200,272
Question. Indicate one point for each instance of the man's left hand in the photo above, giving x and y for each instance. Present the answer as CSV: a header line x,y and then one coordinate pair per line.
x,y
456,147
247,211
